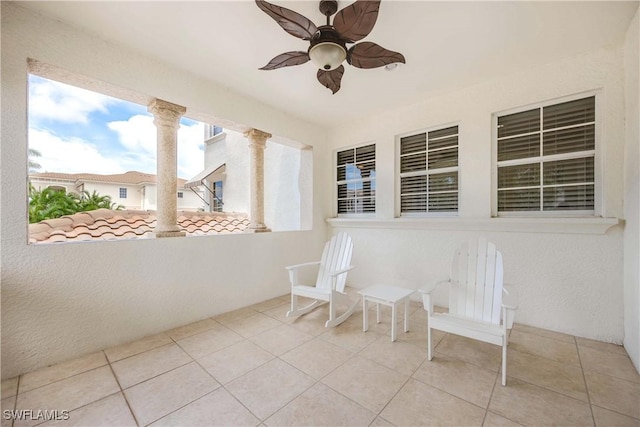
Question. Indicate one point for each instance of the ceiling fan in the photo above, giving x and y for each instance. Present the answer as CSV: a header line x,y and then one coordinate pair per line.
x,y
327,49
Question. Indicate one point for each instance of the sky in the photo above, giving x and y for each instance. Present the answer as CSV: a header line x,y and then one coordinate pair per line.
x,y
79,131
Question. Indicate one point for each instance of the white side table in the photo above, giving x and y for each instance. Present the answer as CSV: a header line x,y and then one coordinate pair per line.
x,y
387,295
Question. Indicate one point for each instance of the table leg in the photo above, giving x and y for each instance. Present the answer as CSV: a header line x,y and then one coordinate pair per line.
x,y
377,312
365,314
406,315
393,321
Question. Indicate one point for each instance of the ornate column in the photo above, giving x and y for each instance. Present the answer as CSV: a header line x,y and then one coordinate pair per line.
x,y
257,142
166,117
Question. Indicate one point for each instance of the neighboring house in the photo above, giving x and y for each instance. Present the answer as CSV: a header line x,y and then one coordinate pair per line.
x,y
132,190
225,180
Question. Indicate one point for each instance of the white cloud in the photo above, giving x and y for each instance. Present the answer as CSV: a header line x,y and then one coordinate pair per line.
x,y
73,155
50,100
190,150
138,136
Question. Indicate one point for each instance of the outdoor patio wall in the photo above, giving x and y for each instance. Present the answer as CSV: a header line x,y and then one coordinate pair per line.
x,y
62,301
632,193
569,280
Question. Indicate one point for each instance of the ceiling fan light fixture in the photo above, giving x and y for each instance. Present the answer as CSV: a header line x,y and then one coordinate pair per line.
x,y
327,55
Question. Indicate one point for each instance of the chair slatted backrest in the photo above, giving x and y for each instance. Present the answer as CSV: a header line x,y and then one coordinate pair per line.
x,y
476,288
335,256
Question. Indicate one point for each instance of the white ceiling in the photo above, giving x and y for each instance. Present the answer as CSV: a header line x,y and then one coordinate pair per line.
x,y
446,45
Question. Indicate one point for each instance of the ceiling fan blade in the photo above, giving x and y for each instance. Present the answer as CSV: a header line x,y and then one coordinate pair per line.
x,y
287,59
371,55
331,79
292,22
356,21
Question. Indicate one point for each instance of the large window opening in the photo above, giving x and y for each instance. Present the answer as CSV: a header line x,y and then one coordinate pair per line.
x,y
92,152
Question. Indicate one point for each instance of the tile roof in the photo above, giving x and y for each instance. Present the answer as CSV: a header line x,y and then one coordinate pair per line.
x,y
131,177
106,224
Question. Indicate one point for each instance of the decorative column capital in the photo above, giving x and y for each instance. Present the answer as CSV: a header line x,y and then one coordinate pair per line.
x,y
166,113
257,137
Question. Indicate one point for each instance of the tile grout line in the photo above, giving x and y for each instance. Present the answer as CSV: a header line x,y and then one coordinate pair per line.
x,y
121,390
222,386
586,386
193,360
136,354
493,389
15,402
319,381
61,379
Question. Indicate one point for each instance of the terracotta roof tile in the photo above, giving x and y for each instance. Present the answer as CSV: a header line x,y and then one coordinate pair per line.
x,y
64,223
106,224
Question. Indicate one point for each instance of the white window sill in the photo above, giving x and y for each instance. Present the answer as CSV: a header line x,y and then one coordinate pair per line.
x,y
521,225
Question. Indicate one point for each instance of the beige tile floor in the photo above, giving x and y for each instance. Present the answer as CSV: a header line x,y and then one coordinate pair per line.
x,y
256,367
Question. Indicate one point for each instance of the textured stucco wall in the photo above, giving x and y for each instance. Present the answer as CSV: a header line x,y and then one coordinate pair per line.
x,y
568,282
632,194
282,176
54,309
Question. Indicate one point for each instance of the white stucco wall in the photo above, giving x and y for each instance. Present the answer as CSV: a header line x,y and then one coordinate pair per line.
x,y
567,282
632,194
114,292
132,201
232,149
282,201
285,180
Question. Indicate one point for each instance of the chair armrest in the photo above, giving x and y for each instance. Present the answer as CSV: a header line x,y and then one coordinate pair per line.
x,y
432,286
510,298
334,276
306,264
509,305
344,270
426,291
293,271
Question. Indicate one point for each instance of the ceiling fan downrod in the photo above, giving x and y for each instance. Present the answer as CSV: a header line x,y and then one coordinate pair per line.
x,y
328,8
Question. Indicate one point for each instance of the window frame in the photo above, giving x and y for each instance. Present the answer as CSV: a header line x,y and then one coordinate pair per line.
x,y
399,174
336,182
121,191
597,160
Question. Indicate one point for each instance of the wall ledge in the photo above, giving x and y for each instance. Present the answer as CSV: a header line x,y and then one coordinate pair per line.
x,y
518,225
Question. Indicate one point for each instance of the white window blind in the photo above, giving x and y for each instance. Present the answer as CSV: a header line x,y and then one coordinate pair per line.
x,y
546,158
356,180
429,172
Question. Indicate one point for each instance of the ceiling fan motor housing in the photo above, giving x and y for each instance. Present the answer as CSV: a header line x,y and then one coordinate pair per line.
x,y
328,41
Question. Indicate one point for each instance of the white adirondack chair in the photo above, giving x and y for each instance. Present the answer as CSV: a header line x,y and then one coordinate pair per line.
x,y
477,299
332,276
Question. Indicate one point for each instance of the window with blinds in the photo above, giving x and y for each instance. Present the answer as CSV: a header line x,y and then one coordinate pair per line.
x,y
546,159
429,172
356,180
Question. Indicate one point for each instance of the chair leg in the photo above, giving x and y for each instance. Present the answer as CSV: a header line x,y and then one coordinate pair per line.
x,y
429,343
